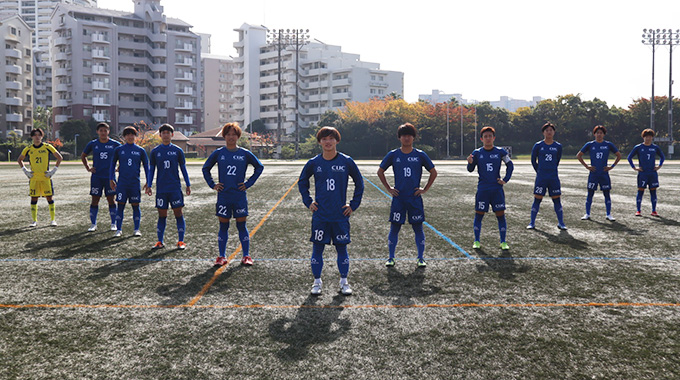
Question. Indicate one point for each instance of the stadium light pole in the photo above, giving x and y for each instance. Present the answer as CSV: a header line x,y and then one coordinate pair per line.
x,y
461,129
448,144
649,37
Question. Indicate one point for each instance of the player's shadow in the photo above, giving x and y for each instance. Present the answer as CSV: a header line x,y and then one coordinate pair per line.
x,y
14,231
83,247
180,294
664,221
313,325
148,257
405,287
564,237
618,227
504,265
64,240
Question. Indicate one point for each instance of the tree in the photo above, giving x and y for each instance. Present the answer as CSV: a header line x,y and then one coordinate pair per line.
x,y
42,118
72,127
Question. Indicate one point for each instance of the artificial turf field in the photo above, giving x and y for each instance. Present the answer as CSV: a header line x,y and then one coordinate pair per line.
x,y
601,300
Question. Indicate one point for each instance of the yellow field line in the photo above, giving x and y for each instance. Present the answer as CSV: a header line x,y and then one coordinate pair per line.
x,y
218,272
426,306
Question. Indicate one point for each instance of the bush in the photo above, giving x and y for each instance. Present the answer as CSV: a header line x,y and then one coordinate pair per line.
x,y
191,154
288,152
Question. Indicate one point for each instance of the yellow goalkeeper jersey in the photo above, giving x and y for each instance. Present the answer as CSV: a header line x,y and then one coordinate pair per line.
x,y
39,157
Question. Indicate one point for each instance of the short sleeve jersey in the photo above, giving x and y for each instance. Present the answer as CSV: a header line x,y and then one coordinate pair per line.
x,y
546,157
646,156
489,166
39,157
408,169
168,160
102,154
231,168
599,153
331,178
131,157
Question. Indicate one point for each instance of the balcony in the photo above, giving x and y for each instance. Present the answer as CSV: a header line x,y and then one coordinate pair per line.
x,y
184,120
100,38
14,53
14,69
184,91
61,72
15,117
185,76
61,56
61,87
341,82
185,62
99,54
184,105
158,37
159,53
13,85
61,103
158,67
101,70
99,101
159,112
100,117
60,118
96,85
184,47
60,41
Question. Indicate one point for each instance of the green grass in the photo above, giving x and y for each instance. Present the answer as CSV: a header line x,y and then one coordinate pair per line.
x,y
112,308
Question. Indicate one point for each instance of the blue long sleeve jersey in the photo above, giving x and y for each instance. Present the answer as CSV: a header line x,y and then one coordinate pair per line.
x,y
331,178
408,169
488,163
646,156
169,159
545,158
599,153
102,154
231,168
131,157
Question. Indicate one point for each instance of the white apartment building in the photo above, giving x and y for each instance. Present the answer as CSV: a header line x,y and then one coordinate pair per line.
x,y
328,78
438,96
37,13
16,76
506,102
124,68
218,90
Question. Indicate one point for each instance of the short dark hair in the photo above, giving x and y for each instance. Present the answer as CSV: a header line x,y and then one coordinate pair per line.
x,y
600,127
547,125
487,129
103,125
37,130
229,126
129,130
327,131
648,131
166,127
407,129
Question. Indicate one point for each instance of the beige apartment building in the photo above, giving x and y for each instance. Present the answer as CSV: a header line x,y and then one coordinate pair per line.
x,y
218,91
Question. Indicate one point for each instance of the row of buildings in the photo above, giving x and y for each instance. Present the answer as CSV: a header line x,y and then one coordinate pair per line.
x,y
124,67
506,102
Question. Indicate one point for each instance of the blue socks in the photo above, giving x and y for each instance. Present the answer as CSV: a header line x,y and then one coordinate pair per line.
x,y
478,225
607,201
393,238
502,227
343,260
558,211
94,210
112,213
136,216
638,199
589,200
534,210
222,238
420,238
181,227
244,237
652,195
119,216
160,228
317,260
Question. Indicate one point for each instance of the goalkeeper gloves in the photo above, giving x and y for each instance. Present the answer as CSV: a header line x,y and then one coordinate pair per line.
x,y
28,173
50,173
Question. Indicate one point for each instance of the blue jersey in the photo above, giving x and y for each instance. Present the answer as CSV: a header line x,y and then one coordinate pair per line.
x,y
169,159
488,164
231,169
646,156
130,157
546,158
331,178
599,153
102,154
408,169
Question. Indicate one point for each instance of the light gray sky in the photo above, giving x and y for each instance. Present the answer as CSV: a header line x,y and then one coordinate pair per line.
x,y
482,49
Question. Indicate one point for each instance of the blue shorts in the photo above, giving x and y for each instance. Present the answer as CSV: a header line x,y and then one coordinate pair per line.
x,y
125,194
325,232
550,184
174,199
599,178
650,179
403,205
229,205
492,197
100,186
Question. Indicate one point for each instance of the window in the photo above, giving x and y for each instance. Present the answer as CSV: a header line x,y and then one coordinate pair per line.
x,y
28,52
29,114
28,98
13,30
28,83
28,67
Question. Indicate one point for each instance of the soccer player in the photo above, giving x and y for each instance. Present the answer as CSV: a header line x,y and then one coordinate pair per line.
x,y
40,174
169,158
232,162
647,169
102,153
330,212
545,157
130,157
490,192
599,170
407,164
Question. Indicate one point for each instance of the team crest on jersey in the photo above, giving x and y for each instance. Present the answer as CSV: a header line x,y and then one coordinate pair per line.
x,y
413,159
239,158
318,169
493,156
398,159
222,158
338,168
158,154
134,153
172,153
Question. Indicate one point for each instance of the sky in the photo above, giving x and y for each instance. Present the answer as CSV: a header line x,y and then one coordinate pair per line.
x,y
480,49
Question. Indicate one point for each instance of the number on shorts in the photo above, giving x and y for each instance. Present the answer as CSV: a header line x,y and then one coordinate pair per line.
x,y
330,184
539,189
591,185
396,216
481,205
318,235
120,196
159,202
222,210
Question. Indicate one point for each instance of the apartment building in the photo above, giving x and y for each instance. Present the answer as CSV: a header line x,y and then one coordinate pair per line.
x,y
328,78
218,90
124,68
37,13
16,76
